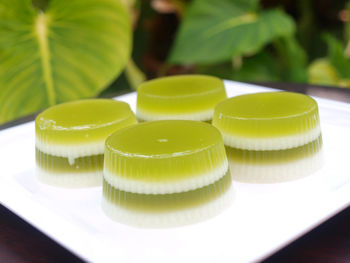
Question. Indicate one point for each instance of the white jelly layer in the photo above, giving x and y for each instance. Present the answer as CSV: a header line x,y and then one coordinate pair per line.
x,y
271,143
71,151
196,116
168,219
276,173
143,187
70,180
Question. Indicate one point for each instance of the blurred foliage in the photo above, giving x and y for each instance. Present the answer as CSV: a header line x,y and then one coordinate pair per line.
x,y
305,41
334,69
218,31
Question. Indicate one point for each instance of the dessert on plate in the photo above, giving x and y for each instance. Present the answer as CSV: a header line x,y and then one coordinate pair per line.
x,y
70,138
165,173
271,136
185,97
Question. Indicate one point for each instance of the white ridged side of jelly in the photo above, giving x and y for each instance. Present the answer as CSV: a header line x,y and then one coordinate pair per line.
x,y
271,143
276,172
168,219
194,181
71,151
70,180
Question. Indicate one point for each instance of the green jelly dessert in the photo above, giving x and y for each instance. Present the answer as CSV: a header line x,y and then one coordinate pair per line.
x,y
164,157
166,202
270,137
58,164
273,166
70,138
161,168
270,157
268,121
167,210
186,97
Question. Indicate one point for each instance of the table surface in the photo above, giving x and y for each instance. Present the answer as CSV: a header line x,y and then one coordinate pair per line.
x,y
330,242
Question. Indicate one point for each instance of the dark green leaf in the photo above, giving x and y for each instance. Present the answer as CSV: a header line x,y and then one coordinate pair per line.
x,y
40,4
336,56
217,31
293,59
258,68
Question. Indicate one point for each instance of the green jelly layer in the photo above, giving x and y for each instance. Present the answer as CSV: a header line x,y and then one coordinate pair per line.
x,y
167,202
274,156
58,164
167,150
82,121
180,94
267,114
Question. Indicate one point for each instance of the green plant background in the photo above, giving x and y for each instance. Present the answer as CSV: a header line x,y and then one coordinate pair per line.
x,y
84,48
61,51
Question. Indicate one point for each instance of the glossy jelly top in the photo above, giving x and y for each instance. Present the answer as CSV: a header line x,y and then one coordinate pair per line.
x,y
267,114
180,94
164,150
164,139
82,121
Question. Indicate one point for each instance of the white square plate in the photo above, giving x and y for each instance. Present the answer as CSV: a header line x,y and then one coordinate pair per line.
x,y
262,219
